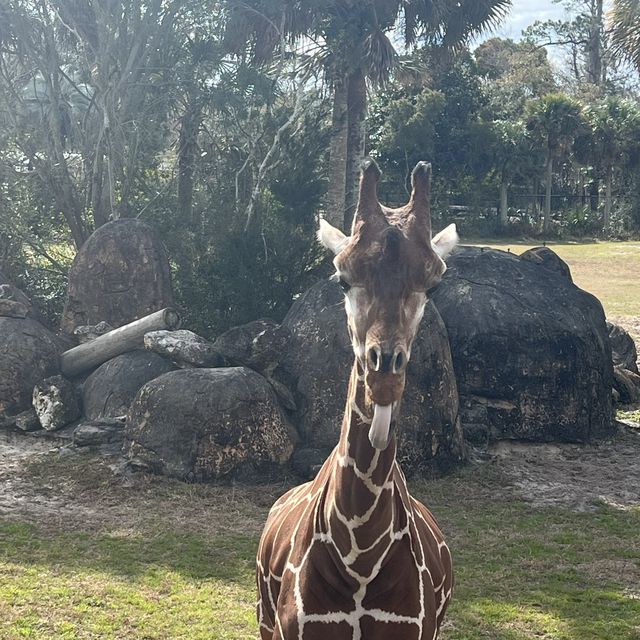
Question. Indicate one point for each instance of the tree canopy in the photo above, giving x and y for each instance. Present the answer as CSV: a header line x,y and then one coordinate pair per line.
x,y
231,126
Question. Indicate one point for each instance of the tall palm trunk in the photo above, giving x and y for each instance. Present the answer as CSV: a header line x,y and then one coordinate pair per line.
x,y
356,113
335,198
547,199
594,192
187,149
595,67
504,218
608,197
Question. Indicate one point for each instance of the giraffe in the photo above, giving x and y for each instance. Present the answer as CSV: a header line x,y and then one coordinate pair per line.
x,y
351,555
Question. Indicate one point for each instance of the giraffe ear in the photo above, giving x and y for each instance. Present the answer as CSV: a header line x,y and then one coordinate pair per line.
x,y
445,241
332,238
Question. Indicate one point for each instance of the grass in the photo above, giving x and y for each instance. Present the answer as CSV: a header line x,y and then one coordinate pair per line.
x,y
86,585
525,573
522,572
609,270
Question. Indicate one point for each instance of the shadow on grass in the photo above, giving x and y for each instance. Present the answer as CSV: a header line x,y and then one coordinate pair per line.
x,y
229,558
525,572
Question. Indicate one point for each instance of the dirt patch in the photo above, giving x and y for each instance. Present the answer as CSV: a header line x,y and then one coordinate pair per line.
x,y
54,486
577,477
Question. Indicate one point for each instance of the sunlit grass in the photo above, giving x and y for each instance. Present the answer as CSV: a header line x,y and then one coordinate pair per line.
x,y
163,585
522,573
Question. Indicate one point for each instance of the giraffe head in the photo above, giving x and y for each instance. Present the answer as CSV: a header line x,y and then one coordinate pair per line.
x,y
386,268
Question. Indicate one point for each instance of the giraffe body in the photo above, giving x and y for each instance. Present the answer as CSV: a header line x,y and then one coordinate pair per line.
x,y
351,555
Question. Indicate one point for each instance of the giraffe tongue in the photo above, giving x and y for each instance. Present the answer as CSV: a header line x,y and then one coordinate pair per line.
x,y
379,430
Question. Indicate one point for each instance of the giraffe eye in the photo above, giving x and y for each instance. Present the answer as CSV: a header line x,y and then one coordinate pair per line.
x,y
344,285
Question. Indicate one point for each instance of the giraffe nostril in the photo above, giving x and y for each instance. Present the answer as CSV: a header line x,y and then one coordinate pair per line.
x,y
374,358
399,362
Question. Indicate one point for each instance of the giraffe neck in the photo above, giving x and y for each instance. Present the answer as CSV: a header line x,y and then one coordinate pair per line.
x,y
361,511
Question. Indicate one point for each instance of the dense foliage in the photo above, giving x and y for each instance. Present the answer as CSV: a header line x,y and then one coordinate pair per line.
x,y
229,126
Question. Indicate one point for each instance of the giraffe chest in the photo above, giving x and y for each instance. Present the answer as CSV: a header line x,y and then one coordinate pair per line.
x,y
319,600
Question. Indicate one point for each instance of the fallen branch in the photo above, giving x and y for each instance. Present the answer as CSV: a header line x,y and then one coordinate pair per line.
x,y
120,340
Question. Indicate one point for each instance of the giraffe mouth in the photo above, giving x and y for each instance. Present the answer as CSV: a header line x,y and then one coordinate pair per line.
x,y
379,431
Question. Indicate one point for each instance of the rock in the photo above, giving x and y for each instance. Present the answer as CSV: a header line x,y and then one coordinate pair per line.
x,y
306,462
530,349
56,402
627,384
475,433
12,309
205,424
548,259
317,367
99,432
120,274
8,294
259,345
623,348
284,395
88,332
109,391
28,353
28,421
184,348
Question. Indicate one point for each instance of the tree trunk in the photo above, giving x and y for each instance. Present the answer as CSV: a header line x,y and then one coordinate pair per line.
x,y
335,199
608,197
356,111
594,45
109,345
504,217
187,147
547,199
594,194
535,204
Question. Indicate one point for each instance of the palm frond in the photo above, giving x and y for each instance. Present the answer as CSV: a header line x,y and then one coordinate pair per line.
x,y
624,25
381,58
451,22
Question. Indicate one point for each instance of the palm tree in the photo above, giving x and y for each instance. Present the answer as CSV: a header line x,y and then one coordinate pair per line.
x,y
354,48
624,23
609,141
514,156
557,120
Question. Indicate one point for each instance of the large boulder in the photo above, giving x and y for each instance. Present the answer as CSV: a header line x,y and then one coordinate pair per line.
x,y
120,274
623,348
207,424
259,345
15,303
317,367
548,259
109,391
530,349
28,353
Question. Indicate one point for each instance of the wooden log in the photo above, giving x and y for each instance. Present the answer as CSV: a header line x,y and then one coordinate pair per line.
x,y
126,338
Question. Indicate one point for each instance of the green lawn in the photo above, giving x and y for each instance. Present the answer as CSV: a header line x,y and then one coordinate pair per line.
x,y
184,570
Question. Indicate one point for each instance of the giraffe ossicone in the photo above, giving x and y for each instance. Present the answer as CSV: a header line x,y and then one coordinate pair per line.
x,y
351,554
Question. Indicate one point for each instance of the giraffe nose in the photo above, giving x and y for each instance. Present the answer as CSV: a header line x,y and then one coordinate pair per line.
x,y
386,361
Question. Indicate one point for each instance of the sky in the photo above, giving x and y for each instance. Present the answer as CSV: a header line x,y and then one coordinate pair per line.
x,y
526,12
